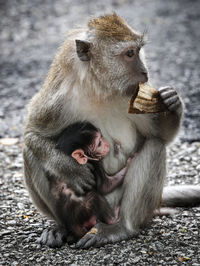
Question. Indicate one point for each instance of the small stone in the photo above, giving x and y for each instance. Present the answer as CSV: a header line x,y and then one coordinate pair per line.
x,y
14,263
5,232
198,167
20,205
9,141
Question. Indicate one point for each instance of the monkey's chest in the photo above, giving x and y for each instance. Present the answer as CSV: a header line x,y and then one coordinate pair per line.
x,y
122,139
120,132
116,127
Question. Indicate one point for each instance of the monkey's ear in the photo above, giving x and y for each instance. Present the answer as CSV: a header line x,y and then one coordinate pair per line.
x,y
80,156
83,50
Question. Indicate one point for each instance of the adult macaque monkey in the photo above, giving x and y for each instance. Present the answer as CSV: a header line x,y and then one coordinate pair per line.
x,y
92,78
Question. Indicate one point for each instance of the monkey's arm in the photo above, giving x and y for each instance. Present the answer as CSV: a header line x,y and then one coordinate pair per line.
x,y
57,164
115,180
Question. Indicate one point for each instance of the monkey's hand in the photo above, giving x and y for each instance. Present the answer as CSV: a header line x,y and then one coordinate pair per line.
x,y
167,123
78,177
82,180
103,234
171,99
53,238
57,165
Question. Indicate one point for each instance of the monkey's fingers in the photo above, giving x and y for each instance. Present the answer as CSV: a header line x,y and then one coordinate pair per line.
x,y
93,240
81,189
107,233
52,238
82,185
170,98
87,241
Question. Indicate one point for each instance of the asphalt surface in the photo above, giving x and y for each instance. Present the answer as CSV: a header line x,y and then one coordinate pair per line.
x,y
30,34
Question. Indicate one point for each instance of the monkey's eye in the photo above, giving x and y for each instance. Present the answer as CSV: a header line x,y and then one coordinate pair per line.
x,y
99,143
130,53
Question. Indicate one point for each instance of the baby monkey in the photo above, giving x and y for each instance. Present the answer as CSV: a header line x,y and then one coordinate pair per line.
x,y
84,142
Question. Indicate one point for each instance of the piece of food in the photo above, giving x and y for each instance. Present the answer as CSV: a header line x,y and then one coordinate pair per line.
x,y
146,100
92,231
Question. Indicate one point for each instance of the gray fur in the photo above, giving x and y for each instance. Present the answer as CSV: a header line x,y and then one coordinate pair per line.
x,y
181,196
96,91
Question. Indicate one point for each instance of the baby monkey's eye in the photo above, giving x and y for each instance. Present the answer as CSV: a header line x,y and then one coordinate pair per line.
x,y
130,53
99,143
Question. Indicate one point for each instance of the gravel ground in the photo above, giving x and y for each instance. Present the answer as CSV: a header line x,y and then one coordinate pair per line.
x,y
166,241
30,33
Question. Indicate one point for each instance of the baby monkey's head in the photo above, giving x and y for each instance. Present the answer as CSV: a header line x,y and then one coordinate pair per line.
x,y
83,141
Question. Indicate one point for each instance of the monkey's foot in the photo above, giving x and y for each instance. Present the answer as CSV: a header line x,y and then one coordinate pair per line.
x,y
53,238
102,234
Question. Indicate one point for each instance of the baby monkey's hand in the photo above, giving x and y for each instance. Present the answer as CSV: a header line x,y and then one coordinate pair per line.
x,y
130,160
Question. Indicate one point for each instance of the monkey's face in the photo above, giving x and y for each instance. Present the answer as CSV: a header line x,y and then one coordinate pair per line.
x,y
116,61
100,147
119,66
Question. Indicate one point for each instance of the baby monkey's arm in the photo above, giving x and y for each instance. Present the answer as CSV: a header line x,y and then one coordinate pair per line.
x,y
115,180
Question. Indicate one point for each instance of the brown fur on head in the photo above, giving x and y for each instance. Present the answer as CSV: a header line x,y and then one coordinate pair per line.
x,y
84,58
113,27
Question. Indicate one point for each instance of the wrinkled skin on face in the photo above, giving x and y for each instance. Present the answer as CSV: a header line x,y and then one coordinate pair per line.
x,y
99,148
130,70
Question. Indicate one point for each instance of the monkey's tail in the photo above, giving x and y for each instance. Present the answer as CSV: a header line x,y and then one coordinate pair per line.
x,y
181,196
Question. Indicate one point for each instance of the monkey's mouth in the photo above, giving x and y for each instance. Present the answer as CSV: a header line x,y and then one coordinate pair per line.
x,y
132,90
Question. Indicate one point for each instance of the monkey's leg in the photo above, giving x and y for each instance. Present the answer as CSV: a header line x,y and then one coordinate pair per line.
x,y
142,192
33,170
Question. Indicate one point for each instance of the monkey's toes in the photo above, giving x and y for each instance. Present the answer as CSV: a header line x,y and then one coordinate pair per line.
x,y
52,237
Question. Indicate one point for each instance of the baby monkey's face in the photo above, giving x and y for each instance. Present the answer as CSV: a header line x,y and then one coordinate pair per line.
x,y
100,147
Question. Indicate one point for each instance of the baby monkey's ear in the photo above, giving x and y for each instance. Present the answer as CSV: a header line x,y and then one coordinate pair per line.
x,y
80,156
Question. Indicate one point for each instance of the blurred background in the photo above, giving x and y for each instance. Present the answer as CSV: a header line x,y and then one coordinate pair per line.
x,y
32,31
